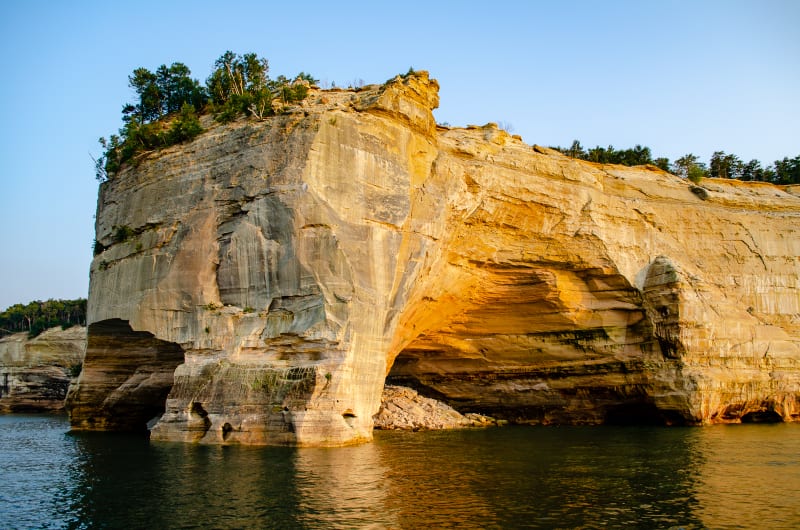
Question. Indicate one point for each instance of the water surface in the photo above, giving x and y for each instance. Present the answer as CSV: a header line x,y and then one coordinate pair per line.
x,y
743,476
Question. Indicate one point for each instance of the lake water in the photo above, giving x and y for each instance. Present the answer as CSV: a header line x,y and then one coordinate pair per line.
x,y
742,476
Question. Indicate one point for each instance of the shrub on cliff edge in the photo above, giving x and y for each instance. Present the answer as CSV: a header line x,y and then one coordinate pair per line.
x,y
169,102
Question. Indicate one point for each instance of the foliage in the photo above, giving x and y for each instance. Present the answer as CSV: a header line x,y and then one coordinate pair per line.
x,y
168,94
38,316
185,126
169,100
787,171
575,150
231,109
237,84
169,104
696,174
149,108
724,166
662,163
122,233
637,155
308,78
163,92
75,370
753,171
689,166
260,104
236,75
97,247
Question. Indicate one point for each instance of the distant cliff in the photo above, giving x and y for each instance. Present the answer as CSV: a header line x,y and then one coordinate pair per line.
x,y
35,373
272,274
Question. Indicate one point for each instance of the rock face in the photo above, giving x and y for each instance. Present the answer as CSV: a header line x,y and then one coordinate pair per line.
x,y
35,373
280,270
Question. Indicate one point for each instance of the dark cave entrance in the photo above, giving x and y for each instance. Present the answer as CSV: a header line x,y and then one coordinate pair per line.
x,y
127,377
762,416
641,413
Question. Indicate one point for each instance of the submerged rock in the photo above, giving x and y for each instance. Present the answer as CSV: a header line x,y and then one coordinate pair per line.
x,y
276,272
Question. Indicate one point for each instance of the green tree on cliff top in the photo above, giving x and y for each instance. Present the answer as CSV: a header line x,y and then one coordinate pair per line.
x,y
37,316
169,102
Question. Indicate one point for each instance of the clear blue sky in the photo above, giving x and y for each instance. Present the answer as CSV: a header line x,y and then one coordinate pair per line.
x,y
677,76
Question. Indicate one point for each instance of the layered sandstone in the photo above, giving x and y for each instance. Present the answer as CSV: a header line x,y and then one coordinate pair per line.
x,y
279,270
35,372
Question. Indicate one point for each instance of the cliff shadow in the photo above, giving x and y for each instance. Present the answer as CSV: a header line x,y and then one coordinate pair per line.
x,y
126,378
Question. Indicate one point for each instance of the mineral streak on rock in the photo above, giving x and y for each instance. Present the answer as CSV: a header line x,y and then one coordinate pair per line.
x,y
280,270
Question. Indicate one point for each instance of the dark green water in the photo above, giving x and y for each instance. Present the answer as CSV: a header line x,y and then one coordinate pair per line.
x,y
549,477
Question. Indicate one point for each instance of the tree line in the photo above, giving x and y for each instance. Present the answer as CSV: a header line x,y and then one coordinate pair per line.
x,y
721,164
169,102
37,316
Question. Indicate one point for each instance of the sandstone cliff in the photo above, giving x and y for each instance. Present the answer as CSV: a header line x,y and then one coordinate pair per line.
x,y
35,373
280,270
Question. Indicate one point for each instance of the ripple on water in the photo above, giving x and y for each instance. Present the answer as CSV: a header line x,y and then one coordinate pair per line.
x,y
553,477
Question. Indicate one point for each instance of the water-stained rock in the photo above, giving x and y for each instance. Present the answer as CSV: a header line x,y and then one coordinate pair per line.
x,y
290,265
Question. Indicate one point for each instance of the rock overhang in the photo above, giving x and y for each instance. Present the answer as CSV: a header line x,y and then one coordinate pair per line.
x,y
505,278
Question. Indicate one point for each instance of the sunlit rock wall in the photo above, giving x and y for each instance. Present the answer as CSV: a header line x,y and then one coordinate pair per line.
x,y
269,275
574,292
269,254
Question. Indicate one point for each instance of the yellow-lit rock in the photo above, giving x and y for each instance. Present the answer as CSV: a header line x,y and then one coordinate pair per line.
x,y
279,270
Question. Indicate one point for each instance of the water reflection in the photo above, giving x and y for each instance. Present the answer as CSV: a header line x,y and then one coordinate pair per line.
x,y
567,477
544,478
749,476
125,481
344,487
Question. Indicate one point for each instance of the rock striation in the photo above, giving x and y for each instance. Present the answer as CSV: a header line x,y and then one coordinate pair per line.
x,y
279,271
35,373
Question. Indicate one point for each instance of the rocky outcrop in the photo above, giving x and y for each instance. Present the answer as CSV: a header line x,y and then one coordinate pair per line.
x,y
278,271
35,373
404,409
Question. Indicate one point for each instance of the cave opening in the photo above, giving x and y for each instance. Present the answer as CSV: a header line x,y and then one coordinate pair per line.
x,y
227,428
762,416
640,413
127,376
349,417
